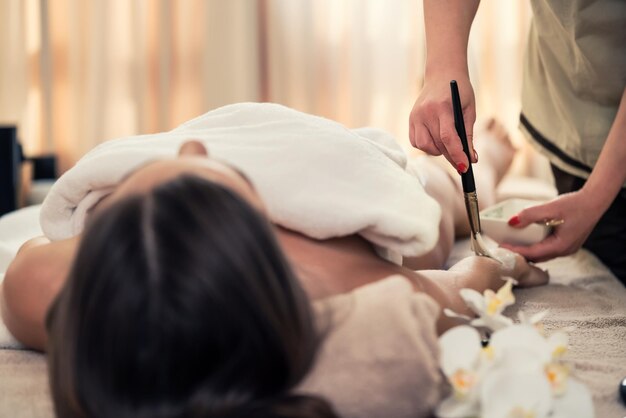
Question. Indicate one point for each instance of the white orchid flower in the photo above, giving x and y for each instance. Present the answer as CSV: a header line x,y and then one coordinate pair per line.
x,y
520,374
559,343
460,362
510,393
520,338
575,403
556,371
523,346
558,377
534,320
488,306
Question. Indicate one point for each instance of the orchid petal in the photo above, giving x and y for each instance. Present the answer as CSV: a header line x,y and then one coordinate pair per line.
x,y
505,293
538,317
505,393
460,349
557,374
521,315
575,403
534,319
510,279
454,408
451,314
558,343
519,359
521,336
473,299
495,303
494,323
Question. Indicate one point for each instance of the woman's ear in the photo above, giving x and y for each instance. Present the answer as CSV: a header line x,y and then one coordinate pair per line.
x,y
193,147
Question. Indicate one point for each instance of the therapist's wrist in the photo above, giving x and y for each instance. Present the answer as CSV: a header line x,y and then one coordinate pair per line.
x,y
596,199
450,70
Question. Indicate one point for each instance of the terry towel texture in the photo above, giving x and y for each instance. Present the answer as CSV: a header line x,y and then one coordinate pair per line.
x,y
315,176
582,295
379,356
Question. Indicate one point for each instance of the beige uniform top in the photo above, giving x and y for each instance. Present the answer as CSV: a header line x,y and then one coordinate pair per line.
x,y
574,77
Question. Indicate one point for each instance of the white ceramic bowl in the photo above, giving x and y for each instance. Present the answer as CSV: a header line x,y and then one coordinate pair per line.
x,y
494,223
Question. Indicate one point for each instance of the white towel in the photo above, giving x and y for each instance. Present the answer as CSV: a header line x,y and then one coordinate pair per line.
x,y
315,176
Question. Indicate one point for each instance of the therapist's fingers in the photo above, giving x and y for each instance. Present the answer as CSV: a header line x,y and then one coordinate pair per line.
x,y
433,111
534,214
469,118
451,141
550,247
423,140
572,217
433,129
421,121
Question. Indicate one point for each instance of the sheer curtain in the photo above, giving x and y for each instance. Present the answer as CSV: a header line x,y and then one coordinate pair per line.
x,y
83,72
75,73
356,61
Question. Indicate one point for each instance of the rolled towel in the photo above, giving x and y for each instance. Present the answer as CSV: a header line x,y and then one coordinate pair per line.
x,y
316,176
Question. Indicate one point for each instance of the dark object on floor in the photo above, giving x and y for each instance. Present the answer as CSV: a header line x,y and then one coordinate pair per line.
x,y
622,390
44,167
10,161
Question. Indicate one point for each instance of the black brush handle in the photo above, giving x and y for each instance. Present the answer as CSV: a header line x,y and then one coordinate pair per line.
x,y
467,178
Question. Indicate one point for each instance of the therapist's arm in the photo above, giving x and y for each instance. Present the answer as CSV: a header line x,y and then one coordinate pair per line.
x,y
582,209
431,123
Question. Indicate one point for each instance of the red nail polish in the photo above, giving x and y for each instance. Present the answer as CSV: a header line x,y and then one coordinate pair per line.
x,y
460,167
514,220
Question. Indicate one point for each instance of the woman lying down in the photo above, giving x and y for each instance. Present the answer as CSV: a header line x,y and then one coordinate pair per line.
x,y
255,261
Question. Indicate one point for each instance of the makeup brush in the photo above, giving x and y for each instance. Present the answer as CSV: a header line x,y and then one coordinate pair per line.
x,y
467,179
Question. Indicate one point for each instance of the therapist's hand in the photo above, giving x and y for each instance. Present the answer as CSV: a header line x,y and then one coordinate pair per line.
x,y
431,124
580,214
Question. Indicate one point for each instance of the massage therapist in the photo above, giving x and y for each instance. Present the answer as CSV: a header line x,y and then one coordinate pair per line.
x,y
573,111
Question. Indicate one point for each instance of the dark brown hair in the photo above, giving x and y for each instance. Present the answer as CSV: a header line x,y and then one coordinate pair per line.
x,y
180,303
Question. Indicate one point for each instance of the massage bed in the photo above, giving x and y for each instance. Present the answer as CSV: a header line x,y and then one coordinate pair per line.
x,y
582,294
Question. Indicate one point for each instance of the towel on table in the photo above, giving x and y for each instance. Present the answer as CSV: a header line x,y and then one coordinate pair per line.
x,y
315,176
379,353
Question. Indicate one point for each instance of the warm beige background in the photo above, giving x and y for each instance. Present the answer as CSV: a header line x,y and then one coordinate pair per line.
x,y
74,73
